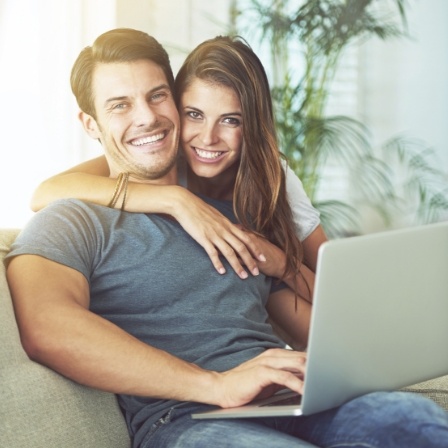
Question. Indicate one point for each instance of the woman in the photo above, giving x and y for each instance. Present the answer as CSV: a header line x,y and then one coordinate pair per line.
x,y
231,152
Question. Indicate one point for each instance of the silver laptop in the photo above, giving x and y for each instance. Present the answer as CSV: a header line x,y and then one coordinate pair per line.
x,y
379,320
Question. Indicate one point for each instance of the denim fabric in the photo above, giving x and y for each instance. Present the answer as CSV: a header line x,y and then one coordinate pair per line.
x,y
381,419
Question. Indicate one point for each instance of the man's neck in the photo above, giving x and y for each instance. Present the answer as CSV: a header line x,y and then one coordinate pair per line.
x,y
168,179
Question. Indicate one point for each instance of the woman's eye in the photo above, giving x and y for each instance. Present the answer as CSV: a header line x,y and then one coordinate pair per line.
x,y
193,114
232,121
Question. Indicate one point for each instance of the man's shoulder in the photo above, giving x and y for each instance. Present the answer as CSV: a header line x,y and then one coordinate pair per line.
x,y
65,215
73,209
223,206
61,225
72,203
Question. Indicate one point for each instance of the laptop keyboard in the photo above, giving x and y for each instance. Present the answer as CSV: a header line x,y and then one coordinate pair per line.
x,y
295,400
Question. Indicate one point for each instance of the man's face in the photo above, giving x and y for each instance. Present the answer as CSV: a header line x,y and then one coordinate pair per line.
x,y
137,121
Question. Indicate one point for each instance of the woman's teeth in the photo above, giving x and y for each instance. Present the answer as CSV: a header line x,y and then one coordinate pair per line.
x,y
207,154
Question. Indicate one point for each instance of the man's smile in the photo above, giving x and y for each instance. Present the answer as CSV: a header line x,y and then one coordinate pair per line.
x,y
148,140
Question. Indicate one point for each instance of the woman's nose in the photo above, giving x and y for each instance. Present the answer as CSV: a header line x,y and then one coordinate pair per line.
x,y
208,134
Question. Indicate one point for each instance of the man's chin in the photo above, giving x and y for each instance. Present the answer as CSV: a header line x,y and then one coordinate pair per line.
x,y
163,172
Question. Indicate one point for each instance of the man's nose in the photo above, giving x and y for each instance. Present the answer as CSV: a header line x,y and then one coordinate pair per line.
x,y
144,114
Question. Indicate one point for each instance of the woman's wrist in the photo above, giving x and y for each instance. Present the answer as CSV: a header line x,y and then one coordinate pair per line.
x,y
174,198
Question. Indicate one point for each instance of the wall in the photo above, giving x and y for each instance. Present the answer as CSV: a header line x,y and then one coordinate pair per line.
x,y
39,41
404,87
178,25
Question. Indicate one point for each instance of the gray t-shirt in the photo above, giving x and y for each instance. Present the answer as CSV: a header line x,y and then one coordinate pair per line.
x,y
149,277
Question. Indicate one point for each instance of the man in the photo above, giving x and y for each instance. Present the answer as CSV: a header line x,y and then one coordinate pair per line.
x,y
104,296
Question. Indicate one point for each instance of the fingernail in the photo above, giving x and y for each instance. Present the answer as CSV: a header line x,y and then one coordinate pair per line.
x,y
262,257
255,271
221,270
244,275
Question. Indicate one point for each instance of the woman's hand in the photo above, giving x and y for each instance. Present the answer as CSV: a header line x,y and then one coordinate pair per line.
x,y
275,259
216,234
274,266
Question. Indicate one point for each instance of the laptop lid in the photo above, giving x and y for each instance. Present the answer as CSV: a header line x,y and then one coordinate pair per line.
x,y
379,319
380,316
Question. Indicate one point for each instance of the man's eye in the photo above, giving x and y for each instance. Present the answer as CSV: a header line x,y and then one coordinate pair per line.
x,y
158,97
119,106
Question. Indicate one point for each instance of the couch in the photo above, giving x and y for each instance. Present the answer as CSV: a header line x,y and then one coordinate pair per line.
x,y
41,409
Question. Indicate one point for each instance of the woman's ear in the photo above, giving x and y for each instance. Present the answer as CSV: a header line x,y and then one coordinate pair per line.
x,y
90,125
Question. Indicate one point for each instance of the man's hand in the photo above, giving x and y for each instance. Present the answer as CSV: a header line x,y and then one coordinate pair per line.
x,y
261,377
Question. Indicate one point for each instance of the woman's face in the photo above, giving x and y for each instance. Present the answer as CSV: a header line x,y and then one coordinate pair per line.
x,y
211,128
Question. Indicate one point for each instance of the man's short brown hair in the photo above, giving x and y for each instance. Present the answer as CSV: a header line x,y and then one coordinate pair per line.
x,y
118,45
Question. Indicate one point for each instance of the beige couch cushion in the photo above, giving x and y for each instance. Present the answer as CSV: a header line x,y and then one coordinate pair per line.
x,y
436,389
41,409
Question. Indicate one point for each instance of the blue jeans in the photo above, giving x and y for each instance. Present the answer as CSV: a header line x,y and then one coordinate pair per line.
x,y
381,419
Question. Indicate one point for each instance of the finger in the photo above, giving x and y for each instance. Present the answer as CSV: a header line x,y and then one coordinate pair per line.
x,y
216,245
213,254
284,359
250,243
287,380
243,255
268,378
229,254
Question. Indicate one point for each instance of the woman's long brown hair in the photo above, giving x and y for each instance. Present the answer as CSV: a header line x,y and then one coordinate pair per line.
x,y
259,200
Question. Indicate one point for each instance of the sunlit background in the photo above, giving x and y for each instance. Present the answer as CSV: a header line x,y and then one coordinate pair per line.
x,y
395,87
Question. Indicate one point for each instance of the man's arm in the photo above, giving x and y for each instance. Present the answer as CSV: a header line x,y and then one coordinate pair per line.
x,y
57,329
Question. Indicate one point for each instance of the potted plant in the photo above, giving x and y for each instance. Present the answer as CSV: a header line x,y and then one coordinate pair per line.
x,y
323,30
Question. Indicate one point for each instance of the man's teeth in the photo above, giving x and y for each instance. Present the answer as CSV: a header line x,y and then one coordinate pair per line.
x,y
146,140
207,154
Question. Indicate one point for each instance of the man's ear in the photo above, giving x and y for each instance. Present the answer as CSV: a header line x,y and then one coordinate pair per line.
x,y
90,125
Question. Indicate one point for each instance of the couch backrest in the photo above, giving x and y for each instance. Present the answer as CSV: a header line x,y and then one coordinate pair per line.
x,y
38,407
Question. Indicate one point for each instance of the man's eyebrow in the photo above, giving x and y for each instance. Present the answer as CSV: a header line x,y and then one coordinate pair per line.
x,y
154,89
160,87
113,99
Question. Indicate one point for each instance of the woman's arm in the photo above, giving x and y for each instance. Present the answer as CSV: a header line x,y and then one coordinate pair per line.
x,y
306,218
275,264
89,182
290,318
311,246
289,314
